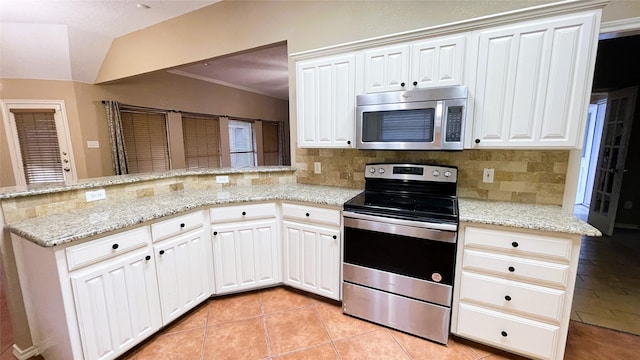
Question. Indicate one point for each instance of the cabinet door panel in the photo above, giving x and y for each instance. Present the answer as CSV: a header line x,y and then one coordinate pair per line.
x,y
313,259
437,62
182,265
386,68
246,255
325,95
117,304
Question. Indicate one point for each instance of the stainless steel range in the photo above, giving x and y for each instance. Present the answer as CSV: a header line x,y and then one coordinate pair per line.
x,y
400,247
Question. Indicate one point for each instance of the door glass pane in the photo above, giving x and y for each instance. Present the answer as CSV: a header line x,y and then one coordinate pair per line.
x,y
39,148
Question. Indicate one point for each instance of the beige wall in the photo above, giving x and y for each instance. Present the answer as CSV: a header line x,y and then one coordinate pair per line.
x,y
234,26
87,120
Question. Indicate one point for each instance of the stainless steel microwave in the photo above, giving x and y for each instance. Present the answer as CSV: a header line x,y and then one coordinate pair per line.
x,y
422,119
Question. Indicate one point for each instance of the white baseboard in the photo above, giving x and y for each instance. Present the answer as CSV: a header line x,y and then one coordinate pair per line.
x,y
26,353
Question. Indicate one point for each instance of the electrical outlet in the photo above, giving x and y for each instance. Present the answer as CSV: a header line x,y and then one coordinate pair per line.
x,y
487,176
93,144
95,195
317,167
222,179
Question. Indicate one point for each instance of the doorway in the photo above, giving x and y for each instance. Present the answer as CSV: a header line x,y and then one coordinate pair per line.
x,y
606,196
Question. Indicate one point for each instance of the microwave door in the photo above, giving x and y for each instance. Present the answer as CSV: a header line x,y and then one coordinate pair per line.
x,y
408,126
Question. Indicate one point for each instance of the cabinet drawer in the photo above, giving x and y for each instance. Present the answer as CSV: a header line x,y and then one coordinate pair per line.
x,y
107,247
311,214
518,243
524,336
516,267
242,212
177,225
532,300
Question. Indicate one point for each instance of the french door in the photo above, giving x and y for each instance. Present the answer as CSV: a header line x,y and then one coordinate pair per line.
x,y
611,159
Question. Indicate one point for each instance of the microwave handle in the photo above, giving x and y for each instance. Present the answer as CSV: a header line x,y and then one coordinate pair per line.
x,y
437,123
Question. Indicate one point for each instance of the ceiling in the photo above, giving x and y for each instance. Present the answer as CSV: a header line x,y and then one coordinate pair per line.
x,y
76,36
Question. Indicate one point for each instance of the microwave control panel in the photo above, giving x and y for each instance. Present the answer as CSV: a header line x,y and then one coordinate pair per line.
x,y
454,124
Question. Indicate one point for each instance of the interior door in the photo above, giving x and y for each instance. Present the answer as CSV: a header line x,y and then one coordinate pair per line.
x,y
611,158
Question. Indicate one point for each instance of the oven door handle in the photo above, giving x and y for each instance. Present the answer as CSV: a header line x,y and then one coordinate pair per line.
x,y
430,231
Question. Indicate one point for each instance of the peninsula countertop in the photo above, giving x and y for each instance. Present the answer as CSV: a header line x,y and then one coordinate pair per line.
x,y
57,229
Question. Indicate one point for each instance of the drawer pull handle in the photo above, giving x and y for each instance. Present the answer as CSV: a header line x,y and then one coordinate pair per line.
x,y
181,225
147,257
515,244
512,269
115,246
335,237
244,213
215,233
307,214
504,333
161,252
508,298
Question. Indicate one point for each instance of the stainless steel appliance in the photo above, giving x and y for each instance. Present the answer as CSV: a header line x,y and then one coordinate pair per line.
x,y
400,238
422,119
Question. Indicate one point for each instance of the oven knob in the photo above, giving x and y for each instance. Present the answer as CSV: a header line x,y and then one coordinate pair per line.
x,y
372,170
447,173
436,173
381,171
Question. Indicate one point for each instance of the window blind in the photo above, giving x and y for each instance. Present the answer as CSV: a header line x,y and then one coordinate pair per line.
x,y
39,147
270,143
145,141
201,138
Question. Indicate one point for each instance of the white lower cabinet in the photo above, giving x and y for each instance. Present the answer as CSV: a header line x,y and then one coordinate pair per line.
x,y
246,247
312,249
183,266
513,289
117,304
246,256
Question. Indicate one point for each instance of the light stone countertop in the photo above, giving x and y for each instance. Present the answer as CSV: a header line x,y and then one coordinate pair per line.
x,y
526,216
52,230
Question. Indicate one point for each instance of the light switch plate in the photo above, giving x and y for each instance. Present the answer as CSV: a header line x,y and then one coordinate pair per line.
x,y
93,144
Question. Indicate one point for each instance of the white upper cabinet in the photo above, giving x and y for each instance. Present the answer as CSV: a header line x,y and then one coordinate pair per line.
x,y
421,64
533,82
386,68
325,93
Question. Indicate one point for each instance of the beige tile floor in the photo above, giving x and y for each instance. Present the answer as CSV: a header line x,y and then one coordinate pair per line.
x,y
607,289
280,323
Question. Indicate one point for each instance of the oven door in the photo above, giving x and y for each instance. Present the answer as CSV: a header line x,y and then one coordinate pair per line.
x,y
413,261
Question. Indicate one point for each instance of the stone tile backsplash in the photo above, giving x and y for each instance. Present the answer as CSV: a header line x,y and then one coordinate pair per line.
x,y
525,176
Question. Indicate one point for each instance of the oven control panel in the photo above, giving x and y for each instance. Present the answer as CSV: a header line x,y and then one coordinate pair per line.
x,y
419,172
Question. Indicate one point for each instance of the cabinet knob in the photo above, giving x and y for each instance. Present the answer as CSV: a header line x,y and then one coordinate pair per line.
x,y
161,252
415,83
335,237
348,142
147,257
181,225
244,213
515,244
307,214
504,333
477,141
512,269
508,298
402,84
215,233
115,246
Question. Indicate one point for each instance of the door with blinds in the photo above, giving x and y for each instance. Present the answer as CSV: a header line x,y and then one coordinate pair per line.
x,y
39,142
